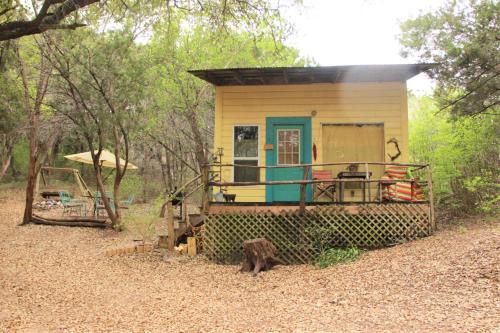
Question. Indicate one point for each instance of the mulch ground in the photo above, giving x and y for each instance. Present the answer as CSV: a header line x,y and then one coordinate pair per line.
x,y
58,279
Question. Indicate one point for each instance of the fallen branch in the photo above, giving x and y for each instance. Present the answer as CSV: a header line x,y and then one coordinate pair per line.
x,y
70,222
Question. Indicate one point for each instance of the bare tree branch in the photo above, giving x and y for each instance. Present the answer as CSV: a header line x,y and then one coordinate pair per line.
x,y
44,20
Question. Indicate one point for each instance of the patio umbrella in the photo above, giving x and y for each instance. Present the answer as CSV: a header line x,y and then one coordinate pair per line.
x,y
107,159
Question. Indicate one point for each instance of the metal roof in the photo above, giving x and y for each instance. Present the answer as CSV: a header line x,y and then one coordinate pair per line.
x,y
302,75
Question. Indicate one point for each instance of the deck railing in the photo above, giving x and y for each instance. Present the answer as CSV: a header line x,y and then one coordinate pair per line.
x,y
307,179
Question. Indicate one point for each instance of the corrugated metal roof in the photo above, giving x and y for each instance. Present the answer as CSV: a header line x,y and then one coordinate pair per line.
x,y
302,75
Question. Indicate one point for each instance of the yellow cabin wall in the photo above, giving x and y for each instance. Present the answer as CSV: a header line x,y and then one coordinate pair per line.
x,y
334,103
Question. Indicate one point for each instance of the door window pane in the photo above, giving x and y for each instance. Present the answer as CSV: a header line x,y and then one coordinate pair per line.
x,y
288,146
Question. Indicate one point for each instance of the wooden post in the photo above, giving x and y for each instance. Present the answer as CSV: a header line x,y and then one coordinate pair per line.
x,y
184,211
191,243
205,179
303,188
380,194
170,226
367,177
431,198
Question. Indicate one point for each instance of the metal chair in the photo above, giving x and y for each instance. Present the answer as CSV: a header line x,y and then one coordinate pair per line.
x,y
99,205
71,205
127,202
327,189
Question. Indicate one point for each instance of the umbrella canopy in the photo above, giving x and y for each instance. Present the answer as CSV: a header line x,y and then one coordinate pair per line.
x,y
107,159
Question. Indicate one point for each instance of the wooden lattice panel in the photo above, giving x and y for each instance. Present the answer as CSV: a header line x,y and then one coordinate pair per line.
x,y
299,238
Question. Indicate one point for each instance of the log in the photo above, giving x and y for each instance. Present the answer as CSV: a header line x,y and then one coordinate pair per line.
x,y
72,219
68,223
260,255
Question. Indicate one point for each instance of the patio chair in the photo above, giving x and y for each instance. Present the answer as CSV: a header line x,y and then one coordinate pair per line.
x,y
327,189
71,205
127,202
99,204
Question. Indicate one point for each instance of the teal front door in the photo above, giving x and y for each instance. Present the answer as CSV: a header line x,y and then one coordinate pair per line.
x,y
290,139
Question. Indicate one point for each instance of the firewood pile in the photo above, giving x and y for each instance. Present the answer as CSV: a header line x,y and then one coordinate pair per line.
x,y
48,204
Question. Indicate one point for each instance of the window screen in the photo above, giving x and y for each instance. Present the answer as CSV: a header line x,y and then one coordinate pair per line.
x,y
246,152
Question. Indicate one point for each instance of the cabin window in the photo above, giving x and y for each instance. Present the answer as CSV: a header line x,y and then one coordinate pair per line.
x,y
246,152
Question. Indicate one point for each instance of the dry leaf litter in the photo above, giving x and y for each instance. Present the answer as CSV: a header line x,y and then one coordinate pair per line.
x,y
57,279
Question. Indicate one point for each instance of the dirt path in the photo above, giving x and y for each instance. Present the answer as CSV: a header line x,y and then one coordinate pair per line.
x,y
57,279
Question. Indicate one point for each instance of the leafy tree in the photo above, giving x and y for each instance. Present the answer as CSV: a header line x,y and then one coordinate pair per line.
x,y
183,104
462,38
463,153
100,90
35,72
12,117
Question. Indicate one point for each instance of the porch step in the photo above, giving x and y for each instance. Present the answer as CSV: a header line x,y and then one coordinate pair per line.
x,y
195,219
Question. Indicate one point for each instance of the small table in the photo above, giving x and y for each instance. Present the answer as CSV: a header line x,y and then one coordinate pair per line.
x,y
353,175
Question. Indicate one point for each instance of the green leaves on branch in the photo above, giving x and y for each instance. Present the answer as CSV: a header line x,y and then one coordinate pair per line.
x,y
462,38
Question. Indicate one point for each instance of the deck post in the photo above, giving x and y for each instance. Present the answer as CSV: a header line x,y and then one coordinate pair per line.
x,y
303,188
170,226
367,177
431,199
205,180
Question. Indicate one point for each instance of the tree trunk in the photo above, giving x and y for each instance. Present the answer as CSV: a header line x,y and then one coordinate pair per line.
x,y
34,119
260,254
201,156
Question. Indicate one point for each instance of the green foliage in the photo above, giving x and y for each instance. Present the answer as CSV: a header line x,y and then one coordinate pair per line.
x,y
335,256
462,38
142,225
132,184
463,153
20,158
322,237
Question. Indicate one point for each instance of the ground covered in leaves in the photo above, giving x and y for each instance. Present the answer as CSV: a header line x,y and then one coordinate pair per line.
x,y
58,279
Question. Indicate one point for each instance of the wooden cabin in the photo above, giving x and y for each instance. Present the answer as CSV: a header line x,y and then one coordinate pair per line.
x,y
284,116
276,127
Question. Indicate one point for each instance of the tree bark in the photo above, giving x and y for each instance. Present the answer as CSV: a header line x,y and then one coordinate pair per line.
x,y
201,156
45,20
260,254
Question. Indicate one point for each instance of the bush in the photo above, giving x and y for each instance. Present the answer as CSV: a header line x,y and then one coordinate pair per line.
x,y
143,226
335,256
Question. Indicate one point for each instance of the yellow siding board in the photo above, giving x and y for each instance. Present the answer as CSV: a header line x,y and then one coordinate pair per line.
x,y
318,101
301,108
311,94
359,86
250,114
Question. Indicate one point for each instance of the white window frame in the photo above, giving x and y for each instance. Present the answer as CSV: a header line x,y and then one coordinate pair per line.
x,y
277,144
245,158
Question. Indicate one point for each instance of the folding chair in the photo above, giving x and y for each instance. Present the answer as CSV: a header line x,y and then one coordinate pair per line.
x,y
72,206
327,189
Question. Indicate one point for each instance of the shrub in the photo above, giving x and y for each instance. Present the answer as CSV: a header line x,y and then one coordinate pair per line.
x,y
143,226
335,256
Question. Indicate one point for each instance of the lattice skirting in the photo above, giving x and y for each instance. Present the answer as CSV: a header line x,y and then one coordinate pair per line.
x,y
300,238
